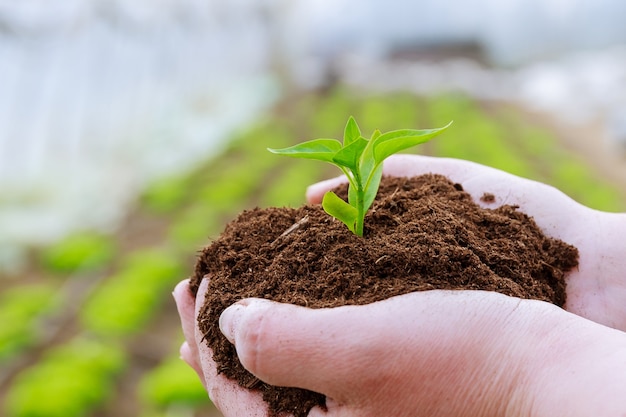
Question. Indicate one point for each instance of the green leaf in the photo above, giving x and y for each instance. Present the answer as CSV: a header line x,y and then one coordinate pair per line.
x,y
349,156
368,163
351,132
352,195
85,251
371,189
340,210
318,149
395,141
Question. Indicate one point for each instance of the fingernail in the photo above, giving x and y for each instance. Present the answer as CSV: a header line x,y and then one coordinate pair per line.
x,y
229,319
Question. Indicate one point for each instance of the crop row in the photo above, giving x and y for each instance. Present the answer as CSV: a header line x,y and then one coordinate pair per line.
x,y
21,313
69,380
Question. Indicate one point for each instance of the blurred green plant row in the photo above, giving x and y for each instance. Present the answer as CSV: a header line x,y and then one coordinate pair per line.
x,y
83,372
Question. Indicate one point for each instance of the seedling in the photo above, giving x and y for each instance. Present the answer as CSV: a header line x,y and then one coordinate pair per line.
x,y
361,161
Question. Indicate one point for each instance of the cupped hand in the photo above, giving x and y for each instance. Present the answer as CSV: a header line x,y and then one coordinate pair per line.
x,y
431,353
597,288
440,352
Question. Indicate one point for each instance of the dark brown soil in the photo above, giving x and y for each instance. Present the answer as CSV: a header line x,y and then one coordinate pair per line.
x,y
422,233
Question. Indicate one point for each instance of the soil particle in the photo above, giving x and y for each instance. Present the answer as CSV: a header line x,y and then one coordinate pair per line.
x,y
422,233
488,198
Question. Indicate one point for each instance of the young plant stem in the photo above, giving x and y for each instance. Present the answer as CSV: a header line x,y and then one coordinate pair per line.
x,y
360,219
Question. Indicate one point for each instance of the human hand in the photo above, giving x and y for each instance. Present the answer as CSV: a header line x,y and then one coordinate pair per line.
x,y
431,353
597,288
540,350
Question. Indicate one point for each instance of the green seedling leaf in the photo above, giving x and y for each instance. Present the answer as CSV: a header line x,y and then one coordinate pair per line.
x,y
351,132
340,210
319,149
371,189
349,156
361,161
393,142
367,159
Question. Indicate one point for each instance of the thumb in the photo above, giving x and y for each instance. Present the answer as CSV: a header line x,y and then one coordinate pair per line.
x,y
315,193
288,345
323,349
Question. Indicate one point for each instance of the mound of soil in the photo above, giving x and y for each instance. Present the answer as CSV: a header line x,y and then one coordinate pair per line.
x,y
422,233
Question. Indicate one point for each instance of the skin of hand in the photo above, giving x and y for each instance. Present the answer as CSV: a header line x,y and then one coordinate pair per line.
x,y
448,353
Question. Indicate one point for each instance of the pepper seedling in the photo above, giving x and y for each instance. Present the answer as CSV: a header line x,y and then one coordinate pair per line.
x,y
361,161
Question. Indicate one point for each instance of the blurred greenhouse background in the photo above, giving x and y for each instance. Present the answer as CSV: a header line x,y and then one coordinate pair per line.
x,y
131,131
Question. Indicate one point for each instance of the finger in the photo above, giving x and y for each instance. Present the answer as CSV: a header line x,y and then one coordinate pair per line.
x,y
331,351
185,304
315,192
479,180
476,179
288,345
199,302
230,398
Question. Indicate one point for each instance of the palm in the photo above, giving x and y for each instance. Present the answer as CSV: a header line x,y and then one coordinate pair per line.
x,y
596,289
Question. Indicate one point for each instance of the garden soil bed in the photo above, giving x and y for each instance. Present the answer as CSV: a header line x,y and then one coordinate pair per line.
x,y
422,233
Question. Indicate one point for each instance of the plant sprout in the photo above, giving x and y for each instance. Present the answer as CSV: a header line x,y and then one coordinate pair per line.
x,y
361,161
